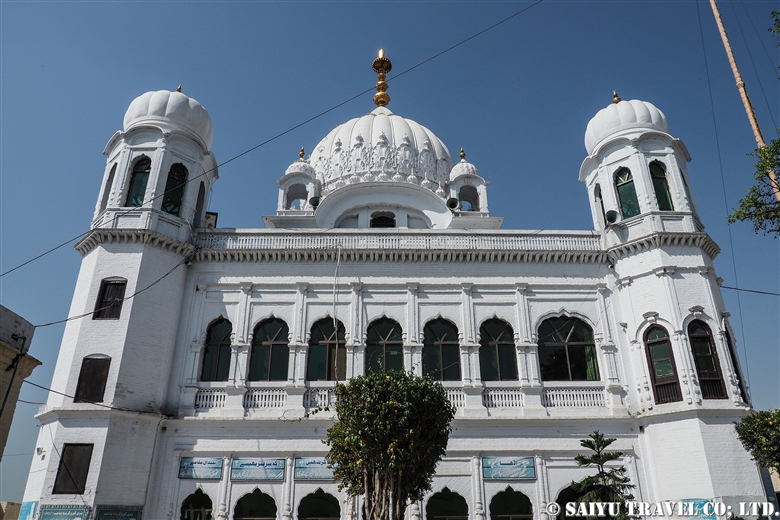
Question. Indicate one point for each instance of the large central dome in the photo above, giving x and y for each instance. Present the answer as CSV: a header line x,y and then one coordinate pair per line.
x,y
381,146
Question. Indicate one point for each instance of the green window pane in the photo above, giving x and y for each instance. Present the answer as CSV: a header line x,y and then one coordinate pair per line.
x,y
280,356
507,361
663,368
701,346
629,205
373,359
259,363
450,355
394,357
488,363
138,181
431,360
656,333
317,369
174,189
660,351
662,194
706,364
578,364
697,328
553,363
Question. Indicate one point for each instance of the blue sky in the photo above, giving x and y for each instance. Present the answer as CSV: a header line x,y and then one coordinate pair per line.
x,y
517,98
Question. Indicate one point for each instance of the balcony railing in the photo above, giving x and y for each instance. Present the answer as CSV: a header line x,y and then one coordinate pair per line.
x,y
574,397
319,398
208,398
265,398
502,398
456,397
285,241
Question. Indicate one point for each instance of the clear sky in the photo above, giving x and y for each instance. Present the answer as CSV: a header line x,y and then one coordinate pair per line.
x,y
517,98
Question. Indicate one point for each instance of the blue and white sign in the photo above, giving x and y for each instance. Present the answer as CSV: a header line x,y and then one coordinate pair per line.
x,y
63,513
257,469
695,507
28,510
312,468
118,512
200,467
508,467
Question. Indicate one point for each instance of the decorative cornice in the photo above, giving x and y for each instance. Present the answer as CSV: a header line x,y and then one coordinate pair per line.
x,y
665,239
135,236
412,256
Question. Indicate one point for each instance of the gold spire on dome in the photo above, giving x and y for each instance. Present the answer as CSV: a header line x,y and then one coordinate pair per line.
x,y
381,66
302,153
615,98
178,89
462,154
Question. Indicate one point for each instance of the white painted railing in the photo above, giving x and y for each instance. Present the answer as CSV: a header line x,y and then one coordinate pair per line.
x,y
456,397
319,398
265,398
265,240
502,398
573,397
207,398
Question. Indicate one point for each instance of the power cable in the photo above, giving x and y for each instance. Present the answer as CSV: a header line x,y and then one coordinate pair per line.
x,y
749,290
725,198
774,67
277,136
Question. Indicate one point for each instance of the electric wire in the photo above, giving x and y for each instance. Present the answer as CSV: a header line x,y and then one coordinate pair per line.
x,y
117,408
285,132
755,69
725,198
750,290
28,402
766,52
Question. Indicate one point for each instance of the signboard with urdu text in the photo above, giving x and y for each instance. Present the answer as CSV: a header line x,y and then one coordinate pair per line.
x,y
508,467
312,468
201,467
63,513
118,512
257,469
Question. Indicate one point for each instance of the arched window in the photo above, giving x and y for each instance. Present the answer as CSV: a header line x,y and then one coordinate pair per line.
x,y
446,505
382,219
327,352
198,220
663,371
384,346
296,197
661,186
319,506
511,505
255,506
624,182
107,189
138,181
174,189
497,356
567,495
216,355
567,351
441,350
706,359
469,198
92,379
197,506
270,354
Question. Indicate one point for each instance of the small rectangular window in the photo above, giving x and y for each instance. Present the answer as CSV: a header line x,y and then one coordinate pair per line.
x,y
109,302
73,469
92,380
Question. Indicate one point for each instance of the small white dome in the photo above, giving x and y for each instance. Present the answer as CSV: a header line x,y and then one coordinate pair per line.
x,y
463,168
300,166
621,116
171,107
381,146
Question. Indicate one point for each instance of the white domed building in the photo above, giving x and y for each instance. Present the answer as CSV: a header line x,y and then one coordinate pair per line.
x,y
184,401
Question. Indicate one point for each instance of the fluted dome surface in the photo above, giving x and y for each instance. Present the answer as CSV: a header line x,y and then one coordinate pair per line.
x,y
173,107
381,146
463,168
622,116
300,166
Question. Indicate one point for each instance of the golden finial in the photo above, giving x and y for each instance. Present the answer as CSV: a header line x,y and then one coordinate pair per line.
x,y
381,66
462,154
302,153
178,89
615,98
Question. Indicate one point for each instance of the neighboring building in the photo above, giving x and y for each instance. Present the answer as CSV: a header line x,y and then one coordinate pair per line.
x,y
383,253
16,333
9,510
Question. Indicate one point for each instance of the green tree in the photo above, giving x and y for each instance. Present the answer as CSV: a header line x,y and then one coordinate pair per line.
x,y
759,433
391,432
608,484
759,205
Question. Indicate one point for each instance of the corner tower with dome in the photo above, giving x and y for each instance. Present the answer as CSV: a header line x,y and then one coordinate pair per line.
x,y
186,391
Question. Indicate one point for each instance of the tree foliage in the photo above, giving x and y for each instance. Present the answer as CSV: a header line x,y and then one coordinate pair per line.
x,y
391,432
759,433
759,205
608,484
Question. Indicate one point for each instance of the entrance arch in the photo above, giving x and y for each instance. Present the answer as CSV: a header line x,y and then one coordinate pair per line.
x,y
197,506
319,506
446,505
568,494
511,505
255,506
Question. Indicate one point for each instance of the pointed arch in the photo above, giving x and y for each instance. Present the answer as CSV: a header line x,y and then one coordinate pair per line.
x,y
626,191
319,505
197,506
663,369
384,346
705,357
270,354
446,505
568,494
441,350
510,505
255,506
139,178
327,360
216,353
497,355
